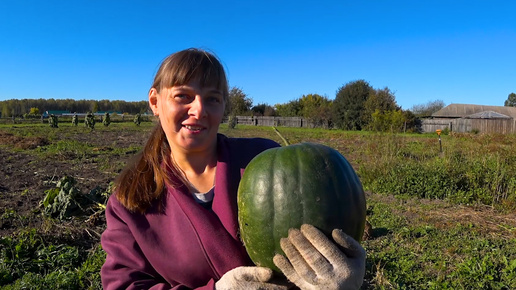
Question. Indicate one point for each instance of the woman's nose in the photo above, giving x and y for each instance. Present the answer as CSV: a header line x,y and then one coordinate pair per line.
x,y
197,108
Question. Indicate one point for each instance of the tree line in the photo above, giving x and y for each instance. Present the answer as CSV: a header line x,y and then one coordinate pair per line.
x,y
356,106
19,108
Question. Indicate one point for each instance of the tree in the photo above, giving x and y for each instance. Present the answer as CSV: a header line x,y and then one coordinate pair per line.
x,y
317,109
34,111
412,123
269,111
263,110
425,110
95,106
348,106
238,103
290,109
511,100
378,102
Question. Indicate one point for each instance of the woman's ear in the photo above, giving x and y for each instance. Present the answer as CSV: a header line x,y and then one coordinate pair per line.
x,y
153,101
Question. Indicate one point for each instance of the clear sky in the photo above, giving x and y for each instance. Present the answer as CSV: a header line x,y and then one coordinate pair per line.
x,y
275,51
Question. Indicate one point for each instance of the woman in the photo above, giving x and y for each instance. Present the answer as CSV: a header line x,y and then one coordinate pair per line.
x,y
172,222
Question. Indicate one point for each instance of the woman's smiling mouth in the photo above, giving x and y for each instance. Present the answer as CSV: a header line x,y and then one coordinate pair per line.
x,y
194,128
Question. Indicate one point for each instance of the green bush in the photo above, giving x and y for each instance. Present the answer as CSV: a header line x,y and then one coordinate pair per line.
x,y
61,202
75,120
106,120
89,121
137,119
232,122
52,121
66,200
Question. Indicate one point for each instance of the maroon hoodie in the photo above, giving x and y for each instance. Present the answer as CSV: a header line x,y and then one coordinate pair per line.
x,y
184,245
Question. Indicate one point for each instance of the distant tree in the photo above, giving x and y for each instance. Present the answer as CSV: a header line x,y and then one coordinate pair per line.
x,y
425,110
348,106
6,111
511,100
95,106
263,110
387,121
412,123
258,110
378,102
290,109
238,103
24,106
34,111
317,109
32,114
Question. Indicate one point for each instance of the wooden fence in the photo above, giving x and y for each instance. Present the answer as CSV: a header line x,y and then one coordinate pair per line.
x,y
462,125
273,121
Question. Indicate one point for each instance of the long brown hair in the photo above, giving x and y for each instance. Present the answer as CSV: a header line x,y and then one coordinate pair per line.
x,y
143,181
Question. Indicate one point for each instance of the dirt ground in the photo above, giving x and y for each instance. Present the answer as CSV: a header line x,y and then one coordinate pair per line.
x,y
24,178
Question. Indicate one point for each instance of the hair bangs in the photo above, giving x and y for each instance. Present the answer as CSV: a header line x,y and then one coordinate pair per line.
x,y
192,64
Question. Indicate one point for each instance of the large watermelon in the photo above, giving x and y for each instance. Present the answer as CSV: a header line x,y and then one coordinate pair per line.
x,y
285,187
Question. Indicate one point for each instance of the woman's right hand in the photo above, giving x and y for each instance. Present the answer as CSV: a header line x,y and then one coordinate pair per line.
x,y
251,278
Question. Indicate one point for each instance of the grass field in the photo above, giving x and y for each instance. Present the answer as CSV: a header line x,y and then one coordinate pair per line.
x,y
441,220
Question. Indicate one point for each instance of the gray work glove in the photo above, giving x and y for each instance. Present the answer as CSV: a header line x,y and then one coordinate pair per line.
x,y
252,278
315,262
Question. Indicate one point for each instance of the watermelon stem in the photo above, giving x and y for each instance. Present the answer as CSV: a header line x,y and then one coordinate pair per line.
x,y
281,136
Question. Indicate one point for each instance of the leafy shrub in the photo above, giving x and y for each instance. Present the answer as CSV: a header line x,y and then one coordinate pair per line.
x,y
106,120
61,202
89,121
75,120
52,121
137,119
232,122
66,200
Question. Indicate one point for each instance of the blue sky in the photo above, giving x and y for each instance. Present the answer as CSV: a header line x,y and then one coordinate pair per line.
x,y
275,51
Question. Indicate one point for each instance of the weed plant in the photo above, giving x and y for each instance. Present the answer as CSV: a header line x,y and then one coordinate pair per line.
x,y
434,252
467,171
28,262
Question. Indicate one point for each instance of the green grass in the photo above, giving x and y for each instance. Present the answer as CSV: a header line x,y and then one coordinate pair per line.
x,y
30,262
421,253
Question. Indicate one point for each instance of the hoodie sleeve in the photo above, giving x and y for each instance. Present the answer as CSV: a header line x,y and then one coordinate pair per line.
x,y
126,267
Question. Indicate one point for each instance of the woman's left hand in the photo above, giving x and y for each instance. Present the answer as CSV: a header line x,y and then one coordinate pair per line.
x,y
315,262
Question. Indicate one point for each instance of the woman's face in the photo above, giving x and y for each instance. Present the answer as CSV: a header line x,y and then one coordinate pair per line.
x,y
189,114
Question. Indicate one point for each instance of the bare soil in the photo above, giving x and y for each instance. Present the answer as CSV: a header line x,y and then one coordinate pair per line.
x,y
24,178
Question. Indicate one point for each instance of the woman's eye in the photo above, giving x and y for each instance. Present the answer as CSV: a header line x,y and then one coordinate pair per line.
x,y
214,99
182,97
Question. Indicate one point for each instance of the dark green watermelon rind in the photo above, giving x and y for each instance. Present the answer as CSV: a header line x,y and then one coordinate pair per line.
x,y
264,220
